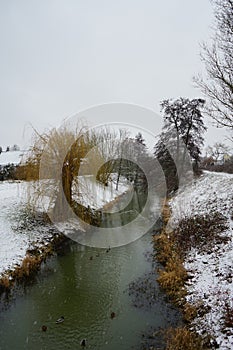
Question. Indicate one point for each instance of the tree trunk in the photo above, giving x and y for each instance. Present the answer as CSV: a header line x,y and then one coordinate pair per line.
x,y
64,195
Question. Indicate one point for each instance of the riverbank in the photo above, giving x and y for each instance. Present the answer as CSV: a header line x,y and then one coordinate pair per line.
x,y
26,239
195,249
86,285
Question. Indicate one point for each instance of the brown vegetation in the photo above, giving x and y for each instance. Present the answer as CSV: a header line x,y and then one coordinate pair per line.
x,y
5,283
173,275
199,231
171,248
183,339
30,264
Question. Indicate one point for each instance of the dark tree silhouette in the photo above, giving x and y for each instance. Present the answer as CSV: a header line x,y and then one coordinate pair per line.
x,y
182,136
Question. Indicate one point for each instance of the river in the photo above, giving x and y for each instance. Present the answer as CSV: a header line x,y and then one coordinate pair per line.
x,y
86,285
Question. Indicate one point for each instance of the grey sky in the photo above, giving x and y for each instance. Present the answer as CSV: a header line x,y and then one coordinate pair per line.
x,y
58,57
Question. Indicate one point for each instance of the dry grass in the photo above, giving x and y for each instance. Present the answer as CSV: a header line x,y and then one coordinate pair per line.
x,y
200,232
189,312
171,249
30,264
166,213
173,276
183,339
164,248
5,283
172,279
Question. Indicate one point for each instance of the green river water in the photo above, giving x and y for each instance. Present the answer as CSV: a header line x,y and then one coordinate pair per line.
x,y
85,285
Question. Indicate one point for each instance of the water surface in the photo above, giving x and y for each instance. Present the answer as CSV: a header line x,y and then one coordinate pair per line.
x,y
85,285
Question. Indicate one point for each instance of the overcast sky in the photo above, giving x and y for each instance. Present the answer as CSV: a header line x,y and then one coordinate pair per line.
x,y
61,56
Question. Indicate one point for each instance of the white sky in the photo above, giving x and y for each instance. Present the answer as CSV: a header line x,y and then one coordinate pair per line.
x,y
61,56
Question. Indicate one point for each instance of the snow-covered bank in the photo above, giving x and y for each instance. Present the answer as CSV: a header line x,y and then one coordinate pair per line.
x,y
95,195
18,233
16,236
211,285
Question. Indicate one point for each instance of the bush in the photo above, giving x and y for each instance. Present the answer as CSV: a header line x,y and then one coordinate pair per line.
x,y
7,172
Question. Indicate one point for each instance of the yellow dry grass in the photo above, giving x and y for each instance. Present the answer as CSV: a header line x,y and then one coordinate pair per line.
x,y
5,282
183,339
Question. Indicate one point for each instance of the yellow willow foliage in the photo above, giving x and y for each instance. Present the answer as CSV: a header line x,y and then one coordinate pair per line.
x,y
57,157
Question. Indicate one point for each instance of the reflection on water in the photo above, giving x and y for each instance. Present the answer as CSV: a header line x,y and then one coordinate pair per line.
x,y
85,285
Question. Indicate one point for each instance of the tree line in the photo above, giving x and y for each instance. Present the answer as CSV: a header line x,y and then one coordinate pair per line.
x,y
179,143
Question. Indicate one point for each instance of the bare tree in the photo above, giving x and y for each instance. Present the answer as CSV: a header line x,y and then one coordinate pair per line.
x,y
218,150
217,85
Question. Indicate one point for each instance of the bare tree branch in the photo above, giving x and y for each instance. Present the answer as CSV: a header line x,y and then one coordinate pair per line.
x,y
217,85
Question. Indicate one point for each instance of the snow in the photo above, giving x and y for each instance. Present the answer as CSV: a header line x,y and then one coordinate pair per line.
x,y
96,195
212,284
13,242
11,157
18,233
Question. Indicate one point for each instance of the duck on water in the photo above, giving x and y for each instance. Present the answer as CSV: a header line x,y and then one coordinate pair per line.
x,y
60,320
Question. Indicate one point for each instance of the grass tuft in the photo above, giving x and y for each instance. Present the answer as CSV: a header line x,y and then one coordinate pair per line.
x,y
30,264
183,339
5,283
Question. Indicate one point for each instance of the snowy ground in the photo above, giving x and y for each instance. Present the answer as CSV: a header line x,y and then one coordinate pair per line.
x,y
212,284
18,232
95,194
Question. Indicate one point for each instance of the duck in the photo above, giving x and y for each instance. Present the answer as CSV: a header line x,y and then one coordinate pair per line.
x,y
113,315
44,328
83,342
61,319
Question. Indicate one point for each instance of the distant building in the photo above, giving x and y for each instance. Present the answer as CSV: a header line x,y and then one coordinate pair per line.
x,y
9,161
11,157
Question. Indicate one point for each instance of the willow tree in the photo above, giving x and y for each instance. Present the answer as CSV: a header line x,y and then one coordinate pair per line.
x,y
55,159
58,157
